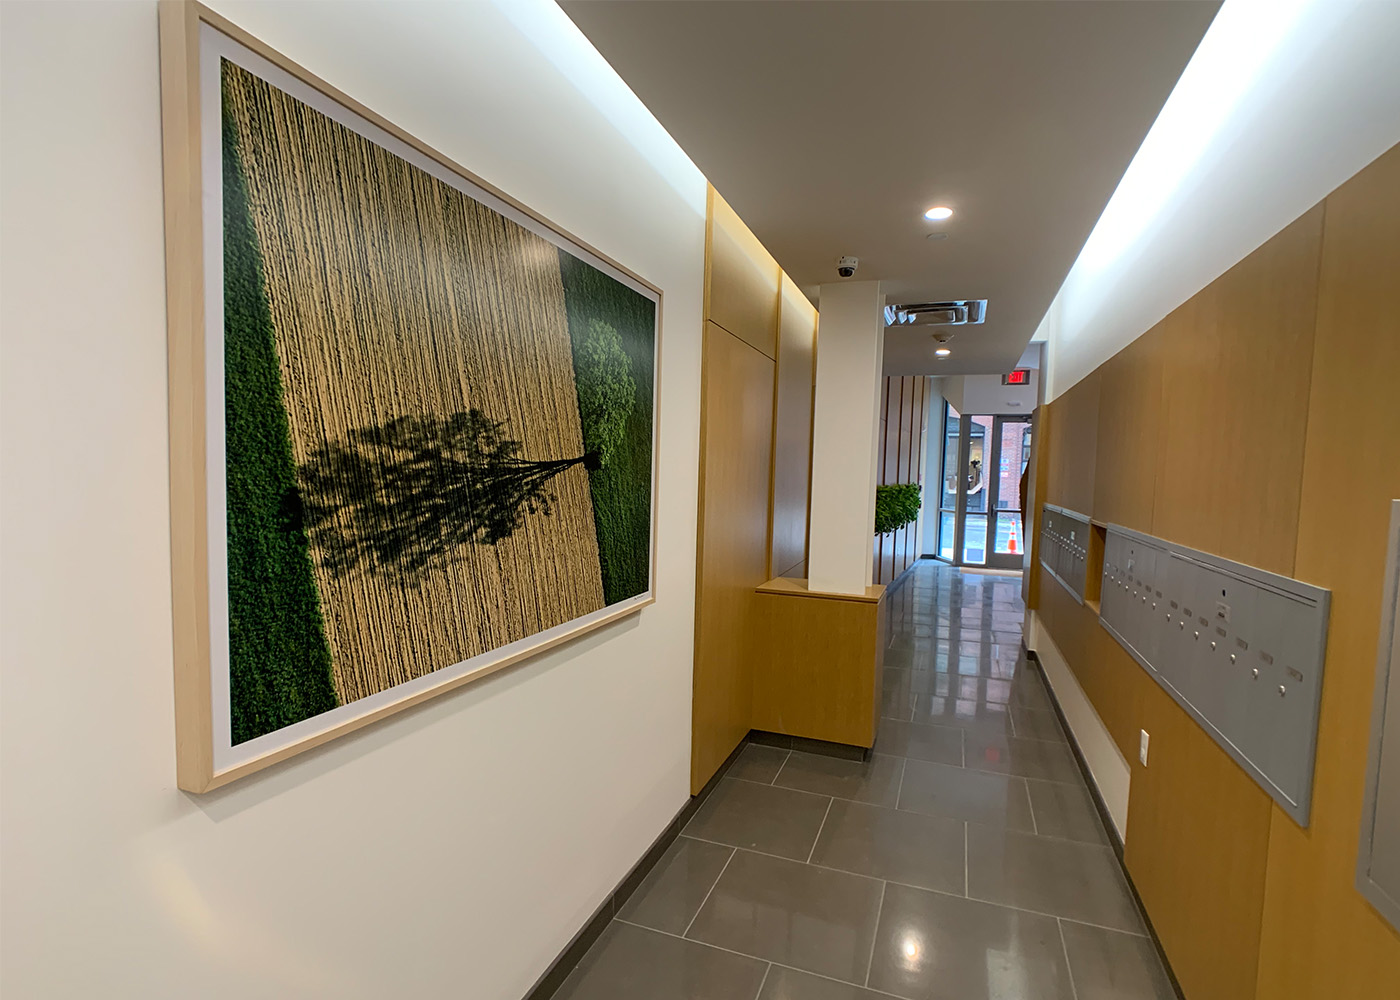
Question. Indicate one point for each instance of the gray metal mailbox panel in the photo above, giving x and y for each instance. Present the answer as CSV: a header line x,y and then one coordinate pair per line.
x,y
1378,861
1290,662
1064,548
1236,616
1206,681
1239,648
1174,652
1109,604
1150,565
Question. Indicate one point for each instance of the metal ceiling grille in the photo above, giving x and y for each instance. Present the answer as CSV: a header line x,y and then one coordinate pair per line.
x,y
954,312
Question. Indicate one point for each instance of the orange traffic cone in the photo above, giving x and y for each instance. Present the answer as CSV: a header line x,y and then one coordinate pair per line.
x,y
1012,545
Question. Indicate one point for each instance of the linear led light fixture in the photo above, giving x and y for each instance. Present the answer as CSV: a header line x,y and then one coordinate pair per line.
x,y
954,312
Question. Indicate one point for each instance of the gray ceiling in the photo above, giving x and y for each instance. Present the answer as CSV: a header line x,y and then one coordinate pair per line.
x,y
831,126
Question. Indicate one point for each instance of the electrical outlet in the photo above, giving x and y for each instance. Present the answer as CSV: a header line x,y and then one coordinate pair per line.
x,y
1142,746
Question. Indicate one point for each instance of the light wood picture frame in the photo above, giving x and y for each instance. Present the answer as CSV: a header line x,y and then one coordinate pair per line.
x,y
413,424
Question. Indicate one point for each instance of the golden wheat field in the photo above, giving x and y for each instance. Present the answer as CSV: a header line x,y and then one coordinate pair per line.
x,y
394,295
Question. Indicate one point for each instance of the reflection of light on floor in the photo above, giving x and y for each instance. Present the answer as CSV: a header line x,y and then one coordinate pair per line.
x,y
911,951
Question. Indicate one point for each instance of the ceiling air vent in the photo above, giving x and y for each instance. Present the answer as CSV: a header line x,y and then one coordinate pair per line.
x,y
956,312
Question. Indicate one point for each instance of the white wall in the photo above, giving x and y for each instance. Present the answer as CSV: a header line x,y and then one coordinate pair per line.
x,y
449,852
845,435
1282,102
984,394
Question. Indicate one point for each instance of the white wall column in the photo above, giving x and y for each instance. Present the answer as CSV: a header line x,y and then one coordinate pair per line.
x,y
845,426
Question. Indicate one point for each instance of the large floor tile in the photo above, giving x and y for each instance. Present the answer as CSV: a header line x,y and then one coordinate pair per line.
x,y
789,984
1024,689
757,763
1023,758
672,892
897,704
904,681
875,780
795,914
1037,724
1107,965
905,847
633,963
930,945
1065,810
1076,881
960,793
962,713
760,817
938,744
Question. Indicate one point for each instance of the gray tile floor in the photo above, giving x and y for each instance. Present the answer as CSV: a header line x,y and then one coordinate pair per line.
x,y
963,861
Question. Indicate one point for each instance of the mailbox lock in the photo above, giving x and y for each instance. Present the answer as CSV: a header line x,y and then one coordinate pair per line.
x,y
1282,690
1181,625
1197,634
1169,616
1255,672
1212,646
1232,657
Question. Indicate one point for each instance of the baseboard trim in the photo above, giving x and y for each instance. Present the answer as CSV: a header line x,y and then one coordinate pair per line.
x,y
1109,773
1033,633
806,744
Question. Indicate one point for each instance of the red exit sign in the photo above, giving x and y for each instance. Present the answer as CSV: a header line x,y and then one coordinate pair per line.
x,y
1021,376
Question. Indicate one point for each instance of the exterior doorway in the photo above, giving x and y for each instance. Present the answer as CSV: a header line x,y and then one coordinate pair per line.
x,y
981,522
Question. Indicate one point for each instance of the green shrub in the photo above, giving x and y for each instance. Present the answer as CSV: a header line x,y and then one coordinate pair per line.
x,y
896,505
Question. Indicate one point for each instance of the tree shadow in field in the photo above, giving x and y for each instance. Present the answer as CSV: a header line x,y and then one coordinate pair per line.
x,y
403,495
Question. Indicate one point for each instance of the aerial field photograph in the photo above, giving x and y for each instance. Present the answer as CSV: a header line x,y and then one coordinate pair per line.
x,y
438,423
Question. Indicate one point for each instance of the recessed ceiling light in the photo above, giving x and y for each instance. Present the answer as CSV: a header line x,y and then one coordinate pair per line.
x,y
938,213
943,352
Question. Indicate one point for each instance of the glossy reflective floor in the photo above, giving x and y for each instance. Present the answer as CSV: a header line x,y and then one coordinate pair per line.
x,y
964,861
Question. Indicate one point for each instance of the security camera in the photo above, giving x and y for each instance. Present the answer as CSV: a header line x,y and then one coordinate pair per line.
x,y
846,266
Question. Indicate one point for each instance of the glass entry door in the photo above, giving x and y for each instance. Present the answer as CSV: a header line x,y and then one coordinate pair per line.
x,y
948,505
980,517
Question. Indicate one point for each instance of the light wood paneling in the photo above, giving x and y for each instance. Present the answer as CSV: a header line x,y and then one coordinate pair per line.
x,y
1253,423
1321,939
1198,832
818,667
1237,363
735,467
1111,679
1130,426
742,280
792,431
1073,447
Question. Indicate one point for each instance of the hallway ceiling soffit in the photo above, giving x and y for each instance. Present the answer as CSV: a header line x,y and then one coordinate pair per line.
x,y
831,127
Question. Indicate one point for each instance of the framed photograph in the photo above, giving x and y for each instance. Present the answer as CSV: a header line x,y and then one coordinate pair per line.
x,y
413,424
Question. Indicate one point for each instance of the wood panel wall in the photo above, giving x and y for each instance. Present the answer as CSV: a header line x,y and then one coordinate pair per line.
x,y
904,417
755,470
1252,422
1351,471
819,656
742,280
1072,447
